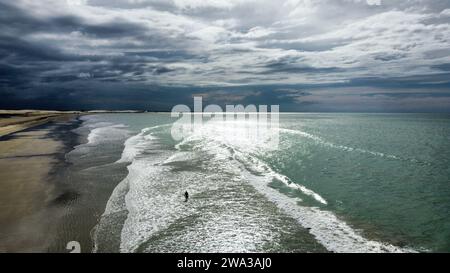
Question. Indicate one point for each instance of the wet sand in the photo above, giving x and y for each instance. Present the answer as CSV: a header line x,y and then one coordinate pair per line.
x,y
27,159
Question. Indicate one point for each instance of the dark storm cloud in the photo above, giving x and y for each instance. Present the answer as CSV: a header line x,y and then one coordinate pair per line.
x,y
386,57
422,81
18,50
283,67
409,95
152,54
119,28
443,67
165,55
18,21
25,63
12,76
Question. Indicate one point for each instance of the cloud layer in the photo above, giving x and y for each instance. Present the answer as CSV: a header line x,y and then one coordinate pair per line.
x,y
388,55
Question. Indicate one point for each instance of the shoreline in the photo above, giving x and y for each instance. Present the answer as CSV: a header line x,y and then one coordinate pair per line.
x,y
29,157
46,200
13,121
86,179
16,121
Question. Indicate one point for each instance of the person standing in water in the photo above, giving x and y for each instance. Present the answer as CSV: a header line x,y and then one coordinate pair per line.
x,y
186,196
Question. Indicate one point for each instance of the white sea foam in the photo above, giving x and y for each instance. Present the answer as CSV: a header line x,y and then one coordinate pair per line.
x,y
98,132
263,169
334,234
319,140
135,144
131,149
234,136
101,131
148,209
107,133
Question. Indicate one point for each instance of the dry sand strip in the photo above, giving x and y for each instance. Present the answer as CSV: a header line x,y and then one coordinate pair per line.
x,y
12,121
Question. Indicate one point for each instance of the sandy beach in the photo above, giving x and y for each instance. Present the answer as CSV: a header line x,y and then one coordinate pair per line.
x,y
12,121
28,152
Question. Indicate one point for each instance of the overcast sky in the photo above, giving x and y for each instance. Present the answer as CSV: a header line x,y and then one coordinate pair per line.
x,y
306,55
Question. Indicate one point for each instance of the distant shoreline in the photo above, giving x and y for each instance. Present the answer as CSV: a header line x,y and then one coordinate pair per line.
x,y
13,121
16,121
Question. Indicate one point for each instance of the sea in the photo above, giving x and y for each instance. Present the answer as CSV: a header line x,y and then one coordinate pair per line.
x,y
336,182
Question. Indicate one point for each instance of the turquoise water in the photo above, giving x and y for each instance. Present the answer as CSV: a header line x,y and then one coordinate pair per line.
x,y
337,182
